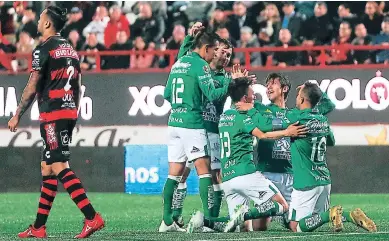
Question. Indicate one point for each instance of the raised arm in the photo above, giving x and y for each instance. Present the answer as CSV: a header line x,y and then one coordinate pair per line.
x,y
325,105
206,85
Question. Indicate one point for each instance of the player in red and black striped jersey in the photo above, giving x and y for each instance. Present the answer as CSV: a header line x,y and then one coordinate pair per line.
x,y
55,80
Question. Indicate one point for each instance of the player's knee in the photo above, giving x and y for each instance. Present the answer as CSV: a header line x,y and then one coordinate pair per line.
x,y
58,167
45,169
202,165
185,175
176,168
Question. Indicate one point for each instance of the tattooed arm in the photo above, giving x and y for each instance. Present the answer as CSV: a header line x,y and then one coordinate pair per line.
x,y
26,101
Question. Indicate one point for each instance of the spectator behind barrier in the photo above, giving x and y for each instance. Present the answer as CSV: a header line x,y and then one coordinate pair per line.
x,y
248,40
173,43
117,23
75,40
75,22
28,24
362,38
290,58
239,19
150,27
98,25
269,20
223,32
372,18
319,26
341,54
144,60
120,61
91,46
291,20
345,15
218,18
25,46
383,39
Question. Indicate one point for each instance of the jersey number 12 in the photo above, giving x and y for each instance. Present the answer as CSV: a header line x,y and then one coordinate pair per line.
x,y
178,87
225,144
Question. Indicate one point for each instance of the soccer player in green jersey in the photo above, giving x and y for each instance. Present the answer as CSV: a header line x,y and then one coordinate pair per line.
x,y
242,182
274,156
309,207
190,81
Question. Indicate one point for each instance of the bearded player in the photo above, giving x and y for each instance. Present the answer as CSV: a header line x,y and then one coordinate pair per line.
x,y
56,82
309,207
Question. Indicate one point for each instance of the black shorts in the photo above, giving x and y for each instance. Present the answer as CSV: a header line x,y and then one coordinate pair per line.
x,y
56,136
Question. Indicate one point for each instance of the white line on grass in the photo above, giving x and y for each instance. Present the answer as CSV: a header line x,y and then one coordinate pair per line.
x,y
298,236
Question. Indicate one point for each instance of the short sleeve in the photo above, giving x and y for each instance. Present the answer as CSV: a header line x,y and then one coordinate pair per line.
x,y
248,124
39,59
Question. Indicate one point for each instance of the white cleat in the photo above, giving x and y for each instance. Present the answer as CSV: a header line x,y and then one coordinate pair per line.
x,y
208,230
236,220
163,228
196,221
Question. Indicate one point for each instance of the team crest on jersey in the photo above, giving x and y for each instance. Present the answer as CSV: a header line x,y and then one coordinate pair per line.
x,y
281,149
206,69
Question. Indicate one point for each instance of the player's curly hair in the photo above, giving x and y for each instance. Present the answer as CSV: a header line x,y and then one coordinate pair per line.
x,y
284,81
239,88
57,16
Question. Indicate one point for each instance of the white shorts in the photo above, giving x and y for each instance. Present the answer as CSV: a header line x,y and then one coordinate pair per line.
x,y
283,181
240,190
186,144
305,203
214,143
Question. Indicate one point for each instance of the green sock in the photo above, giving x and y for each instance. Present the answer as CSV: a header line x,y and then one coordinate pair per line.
x,y
266,209
178,200
312,222
217,224
218,200
168,192
346,217
206,194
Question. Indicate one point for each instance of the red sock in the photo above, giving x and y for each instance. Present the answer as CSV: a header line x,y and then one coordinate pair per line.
x,y
48,192
74,187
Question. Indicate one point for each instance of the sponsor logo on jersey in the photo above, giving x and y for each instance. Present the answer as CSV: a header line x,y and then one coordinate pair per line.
x,y
317,127
51,138
67,52
281,149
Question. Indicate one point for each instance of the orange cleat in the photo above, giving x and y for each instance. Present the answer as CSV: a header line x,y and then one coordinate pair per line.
x,y
91,226
31,232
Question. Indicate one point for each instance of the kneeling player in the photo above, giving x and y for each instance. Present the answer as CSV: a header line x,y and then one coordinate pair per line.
x,y
309,207
241,181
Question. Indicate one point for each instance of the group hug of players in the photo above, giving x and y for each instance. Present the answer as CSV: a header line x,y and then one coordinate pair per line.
x,y
268,155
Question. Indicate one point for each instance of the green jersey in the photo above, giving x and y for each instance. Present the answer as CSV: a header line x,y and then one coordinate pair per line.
x,y
275,155
309,161
236,141
211,109
190,82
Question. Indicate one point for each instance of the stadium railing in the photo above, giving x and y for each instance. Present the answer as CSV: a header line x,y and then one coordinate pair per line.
x,y
341,50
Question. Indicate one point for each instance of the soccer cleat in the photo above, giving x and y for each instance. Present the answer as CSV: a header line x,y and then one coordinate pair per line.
x,y
336,213
361,220
196,221
236,220
163,228
31,232
91,226
207,230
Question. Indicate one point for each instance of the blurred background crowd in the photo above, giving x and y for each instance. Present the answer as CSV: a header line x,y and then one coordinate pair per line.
x,y
133,25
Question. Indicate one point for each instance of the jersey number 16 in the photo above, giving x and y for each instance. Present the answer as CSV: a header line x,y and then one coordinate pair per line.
x,y
319,148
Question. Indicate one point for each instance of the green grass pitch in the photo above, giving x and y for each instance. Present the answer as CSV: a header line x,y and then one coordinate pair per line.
x,y
135,217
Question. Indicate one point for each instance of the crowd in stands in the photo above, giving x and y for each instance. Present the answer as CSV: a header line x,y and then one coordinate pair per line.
x,y
131,25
